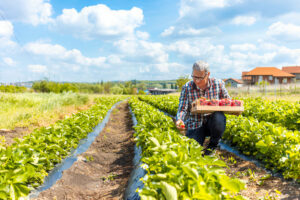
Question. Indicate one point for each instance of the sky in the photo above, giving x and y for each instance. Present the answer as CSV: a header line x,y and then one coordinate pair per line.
x,y
111,40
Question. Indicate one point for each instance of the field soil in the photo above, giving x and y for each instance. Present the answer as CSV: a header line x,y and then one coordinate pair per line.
x,y
9,135
102,172
271,188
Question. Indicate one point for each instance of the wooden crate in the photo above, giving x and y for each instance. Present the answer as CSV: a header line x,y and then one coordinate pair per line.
x,y
232,110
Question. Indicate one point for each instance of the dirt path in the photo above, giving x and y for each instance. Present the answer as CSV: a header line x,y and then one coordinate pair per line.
x,y
103,170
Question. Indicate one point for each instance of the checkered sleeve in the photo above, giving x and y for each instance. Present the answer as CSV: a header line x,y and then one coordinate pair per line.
x,y
223,91
183,104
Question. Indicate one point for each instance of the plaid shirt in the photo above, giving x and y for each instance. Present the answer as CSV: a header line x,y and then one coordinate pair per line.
x,y
190,92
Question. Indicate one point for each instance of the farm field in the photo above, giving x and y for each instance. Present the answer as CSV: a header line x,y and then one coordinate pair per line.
x,y
21,113
174,165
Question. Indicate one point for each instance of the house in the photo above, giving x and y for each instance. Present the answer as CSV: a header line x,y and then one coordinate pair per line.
x,y
246,79
272,75
295,70
233,82
155,91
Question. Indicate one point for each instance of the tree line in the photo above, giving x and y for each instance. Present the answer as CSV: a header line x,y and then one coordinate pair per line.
x,y
13,89
116,87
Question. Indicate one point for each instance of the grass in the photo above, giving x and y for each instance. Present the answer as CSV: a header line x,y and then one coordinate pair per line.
x,y
38,109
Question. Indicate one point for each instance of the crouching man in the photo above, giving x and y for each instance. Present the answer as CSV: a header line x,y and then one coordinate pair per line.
x,y
201,125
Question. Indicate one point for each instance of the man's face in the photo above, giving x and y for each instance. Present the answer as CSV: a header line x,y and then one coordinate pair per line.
x,y
200,78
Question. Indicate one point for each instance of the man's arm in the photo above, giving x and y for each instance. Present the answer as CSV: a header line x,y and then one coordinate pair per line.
x,y
223,92
183,105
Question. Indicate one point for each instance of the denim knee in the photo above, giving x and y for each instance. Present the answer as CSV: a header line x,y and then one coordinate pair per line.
x,y
218,121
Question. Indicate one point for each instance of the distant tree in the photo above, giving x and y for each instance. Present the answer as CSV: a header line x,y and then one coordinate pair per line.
x,y
44,87
181,81
141,92
107,87
157,85
141,86
133,82
116,89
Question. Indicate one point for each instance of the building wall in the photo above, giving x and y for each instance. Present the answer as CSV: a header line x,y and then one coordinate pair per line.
x,y
271,79
231,82
297,76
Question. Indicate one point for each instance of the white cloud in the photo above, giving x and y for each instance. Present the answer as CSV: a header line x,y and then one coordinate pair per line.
x,y
114,59
9,61
181,31
244,20
38,68
166,67
252,58
46,49
6,29
30,11
187,6
267,46
144,69
142,35
286,32
140,50
192,7
99,21
290,17
6,32
243,47
168,31
195,48
59,53
191,31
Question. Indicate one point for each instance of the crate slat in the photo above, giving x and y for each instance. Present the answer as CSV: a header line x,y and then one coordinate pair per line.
x,y
233,110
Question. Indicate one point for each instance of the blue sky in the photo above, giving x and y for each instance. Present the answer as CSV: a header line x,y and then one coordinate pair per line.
x,y
90,40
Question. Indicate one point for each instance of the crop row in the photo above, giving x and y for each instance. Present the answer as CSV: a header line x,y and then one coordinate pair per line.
x,y
283,113
175,166
277,147
25,163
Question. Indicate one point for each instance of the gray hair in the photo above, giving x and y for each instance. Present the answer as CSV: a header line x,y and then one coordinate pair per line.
x,y
201,66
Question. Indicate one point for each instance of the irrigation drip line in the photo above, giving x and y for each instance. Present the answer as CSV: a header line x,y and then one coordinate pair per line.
x,y
137,173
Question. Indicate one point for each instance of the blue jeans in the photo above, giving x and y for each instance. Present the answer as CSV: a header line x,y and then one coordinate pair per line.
x,y
213,127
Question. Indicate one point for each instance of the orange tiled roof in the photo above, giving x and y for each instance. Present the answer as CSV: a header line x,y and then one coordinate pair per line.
x,y
244,73
244,77
236,80
291,69
269,71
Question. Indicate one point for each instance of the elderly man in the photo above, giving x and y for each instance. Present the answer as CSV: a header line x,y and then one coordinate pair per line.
x,y
201,125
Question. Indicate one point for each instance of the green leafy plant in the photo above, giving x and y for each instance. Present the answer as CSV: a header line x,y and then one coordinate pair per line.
x,y
175,166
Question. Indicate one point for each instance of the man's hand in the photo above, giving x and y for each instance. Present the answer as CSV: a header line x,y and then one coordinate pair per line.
x,y
180,124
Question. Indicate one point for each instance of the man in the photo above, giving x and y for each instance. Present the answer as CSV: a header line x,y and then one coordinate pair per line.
x,y
201,125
